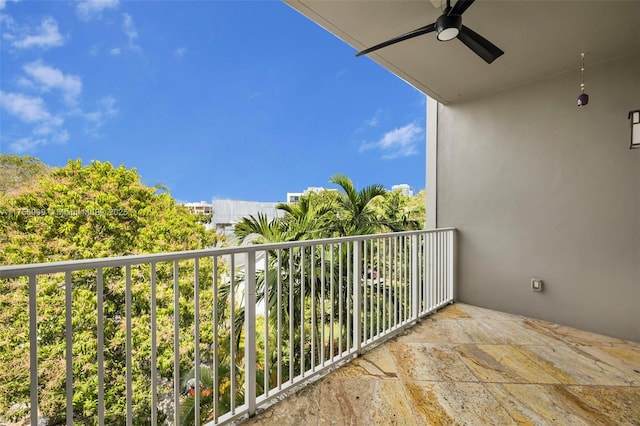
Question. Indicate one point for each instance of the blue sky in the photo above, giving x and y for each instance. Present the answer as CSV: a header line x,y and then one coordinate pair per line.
x,y
214,99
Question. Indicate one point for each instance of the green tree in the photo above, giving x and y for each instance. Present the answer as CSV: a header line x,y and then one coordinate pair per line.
x,y
317,215
356,215
17,172
400,212
92,211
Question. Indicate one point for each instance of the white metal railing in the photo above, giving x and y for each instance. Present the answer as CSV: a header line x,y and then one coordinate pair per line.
x,y
240,325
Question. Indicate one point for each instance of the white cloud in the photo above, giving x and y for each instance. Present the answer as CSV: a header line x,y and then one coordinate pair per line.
x,y
29,143
372,122
399,142
130,31
32,110
105,108
89,9
115,51
3,3
45,36
25,83
26,144
52,78
26,108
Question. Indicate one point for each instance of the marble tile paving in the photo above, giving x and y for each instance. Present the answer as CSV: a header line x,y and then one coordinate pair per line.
x,y
472,366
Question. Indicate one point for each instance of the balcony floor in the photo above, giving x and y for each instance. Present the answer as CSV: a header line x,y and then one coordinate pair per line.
x,y
470,365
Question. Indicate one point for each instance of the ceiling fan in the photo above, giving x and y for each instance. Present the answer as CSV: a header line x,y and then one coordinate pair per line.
x,y
447,27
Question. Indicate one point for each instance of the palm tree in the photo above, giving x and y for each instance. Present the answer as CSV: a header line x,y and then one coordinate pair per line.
x,y
259,229
349,212
397,214
356,215
309,218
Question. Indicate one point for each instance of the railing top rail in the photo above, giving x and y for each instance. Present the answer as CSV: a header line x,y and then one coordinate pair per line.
x,y
13,271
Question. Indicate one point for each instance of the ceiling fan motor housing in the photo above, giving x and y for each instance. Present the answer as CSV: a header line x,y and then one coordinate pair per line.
x,y
448,27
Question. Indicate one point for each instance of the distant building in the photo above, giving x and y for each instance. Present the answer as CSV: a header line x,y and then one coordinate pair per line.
x,y
199,208
403,188
226,213
294,197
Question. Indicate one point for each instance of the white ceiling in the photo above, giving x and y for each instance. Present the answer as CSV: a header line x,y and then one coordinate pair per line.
x,y
539,38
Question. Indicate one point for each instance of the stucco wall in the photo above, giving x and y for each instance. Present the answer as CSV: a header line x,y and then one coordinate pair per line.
x,y
541,188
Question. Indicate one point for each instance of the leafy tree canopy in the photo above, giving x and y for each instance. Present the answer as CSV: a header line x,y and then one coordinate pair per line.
x,y
16,171
336,213
79,212
92,211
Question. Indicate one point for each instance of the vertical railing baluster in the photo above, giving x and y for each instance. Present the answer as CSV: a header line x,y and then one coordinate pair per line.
x,y
415,283
432,270
347,299
357,297
379,311
362,278
405,282
332,302
400,280
250,333
439,267
232,335
394,273
302,298
265,301
33,348
445,266
216,362
69,344
371,292
322,303
196,339
154,378
421,271
385,284
312,265
340,298
279,337
100,306
452,263
176,341
291,315
128,346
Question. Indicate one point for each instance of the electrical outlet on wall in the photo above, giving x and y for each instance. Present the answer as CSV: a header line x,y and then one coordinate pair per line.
x,y
536,284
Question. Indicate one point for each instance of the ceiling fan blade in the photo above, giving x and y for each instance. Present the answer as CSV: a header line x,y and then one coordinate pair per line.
x,y
480,45
411,34
460,7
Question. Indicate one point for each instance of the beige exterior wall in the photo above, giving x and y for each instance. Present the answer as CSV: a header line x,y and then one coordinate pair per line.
x,y
541,188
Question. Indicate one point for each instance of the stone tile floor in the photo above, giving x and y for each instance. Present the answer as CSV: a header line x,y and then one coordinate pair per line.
x,y
472,366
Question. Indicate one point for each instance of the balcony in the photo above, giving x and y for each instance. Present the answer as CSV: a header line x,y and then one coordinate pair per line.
x,y
339,299
257,321
475,366
267,321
